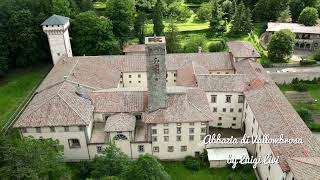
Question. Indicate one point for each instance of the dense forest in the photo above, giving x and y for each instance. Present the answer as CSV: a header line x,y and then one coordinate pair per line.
x,y
96,32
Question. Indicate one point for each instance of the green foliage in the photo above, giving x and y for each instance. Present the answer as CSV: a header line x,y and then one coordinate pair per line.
x,y
192,164
281,45
227,9
204,12
308,62
296,6
172,42
147,167
3,65
285,16
139,25
308,16
179,11
61,7
217,46
241,22
192,45
269,10
305,114
204,158
28,158
121,13
95,38
299,86
316,55
112,163
216,18
22,40
157,18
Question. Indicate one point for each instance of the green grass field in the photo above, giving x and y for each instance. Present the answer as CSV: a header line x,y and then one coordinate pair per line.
x,y
312,89
16,86
178,172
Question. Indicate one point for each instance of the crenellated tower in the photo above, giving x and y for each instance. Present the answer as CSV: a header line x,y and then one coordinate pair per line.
x,y
56,28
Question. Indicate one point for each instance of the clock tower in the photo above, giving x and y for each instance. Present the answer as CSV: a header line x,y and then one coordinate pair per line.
x,y
156,72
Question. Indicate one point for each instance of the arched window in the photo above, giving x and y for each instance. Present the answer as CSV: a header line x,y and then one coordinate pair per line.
x,y
120,137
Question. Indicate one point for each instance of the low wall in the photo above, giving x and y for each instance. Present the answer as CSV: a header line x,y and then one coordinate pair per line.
x,y
287,77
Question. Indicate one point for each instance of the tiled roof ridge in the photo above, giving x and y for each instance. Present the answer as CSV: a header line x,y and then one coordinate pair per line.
x,y
50,86
121,119
71,108
198,109
299,159
83,85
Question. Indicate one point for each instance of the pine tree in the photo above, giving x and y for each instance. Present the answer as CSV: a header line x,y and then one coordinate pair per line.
x,y
216,18
285,16
139,25
158,18
172,41
242,21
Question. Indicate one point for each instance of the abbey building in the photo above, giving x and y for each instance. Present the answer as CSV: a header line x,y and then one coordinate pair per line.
x,y
165,104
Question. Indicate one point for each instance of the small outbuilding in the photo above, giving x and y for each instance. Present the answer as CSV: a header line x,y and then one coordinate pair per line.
x,y
218,157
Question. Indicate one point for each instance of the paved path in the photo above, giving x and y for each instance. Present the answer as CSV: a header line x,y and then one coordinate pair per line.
x,y
294,69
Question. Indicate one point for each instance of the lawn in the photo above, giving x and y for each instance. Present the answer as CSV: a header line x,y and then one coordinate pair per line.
x,y
16,86
178,172
313,90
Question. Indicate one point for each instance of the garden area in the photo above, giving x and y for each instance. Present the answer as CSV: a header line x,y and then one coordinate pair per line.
x,y
177,172
16,87
305,98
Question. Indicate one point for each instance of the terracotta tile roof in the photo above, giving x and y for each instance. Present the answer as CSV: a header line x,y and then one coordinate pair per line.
x,y
294,27
305,168
223,83
185,76
135,48
242,49
120,122
275,115
56,106
121,101
190,107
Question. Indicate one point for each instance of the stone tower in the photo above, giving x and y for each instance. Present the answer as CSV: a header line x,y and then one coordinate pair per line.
x,y
156,72
56,28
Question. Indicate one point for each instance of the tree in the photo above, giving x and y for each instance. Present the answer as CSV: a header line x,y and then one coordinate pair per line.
x,y
216,18
22,38
179,11
269,10
308,16
121,13
157,18
194,43
204,12
227,8
241,22
28,158
172,41
92,35
139,25
296,6
147,167
285,16
281,45
112,163
61,7
85,5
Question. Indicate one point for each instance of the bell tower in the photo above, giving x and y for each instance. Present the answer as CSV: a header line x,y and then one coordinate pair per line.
x,y
56,28
156,72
